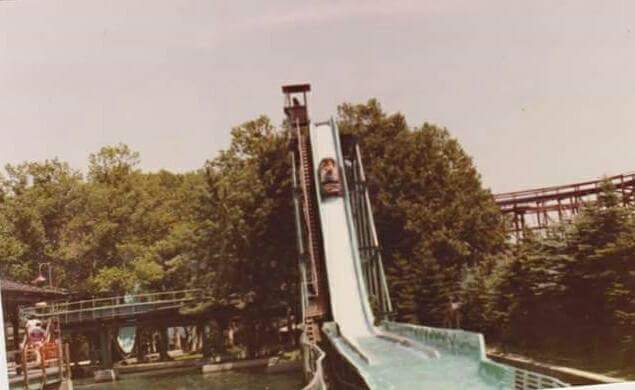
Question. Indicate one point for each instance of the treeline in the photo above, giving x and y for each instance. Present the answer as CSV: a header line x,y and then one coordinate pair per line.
x,y
225,227
228,227
116,230
570,292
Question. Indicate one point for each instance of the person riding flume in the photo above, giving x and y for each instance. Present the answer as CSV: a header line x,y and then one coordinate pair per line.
x,y
34,338
329,178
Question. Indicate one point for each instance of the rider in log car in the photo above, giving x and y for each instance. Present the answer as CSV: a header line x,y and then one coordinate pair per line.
x,y
330,178
34,338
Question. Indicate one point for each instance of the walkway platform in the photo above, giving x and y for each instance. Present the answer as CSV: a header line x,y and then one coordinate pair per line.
x,y
120,307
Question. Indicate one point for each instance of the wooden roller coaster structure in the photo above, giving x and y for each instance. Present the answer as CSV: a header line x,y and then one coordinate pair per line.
x,y
538,209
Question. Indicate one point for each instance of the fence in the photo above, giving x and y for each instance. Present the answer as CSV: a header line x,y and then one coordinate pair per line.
x,y
112,307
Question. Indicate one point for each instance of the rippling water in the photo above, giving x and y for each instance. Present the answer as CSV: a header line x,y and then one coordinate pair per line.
x,y
192,380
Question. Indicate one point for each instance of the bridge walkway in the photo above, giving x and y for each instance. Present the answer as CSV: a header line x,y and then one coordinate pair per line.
x,y
119,307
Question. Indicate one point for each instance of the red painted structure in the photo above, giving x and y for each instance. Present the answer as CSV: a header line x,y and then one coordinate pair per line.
x,y
539,208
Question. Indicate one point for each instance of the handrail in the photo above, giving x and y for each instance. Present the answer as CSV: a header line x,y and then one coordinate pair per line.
x,y
312,354
123,305
91,305
130,296
314,357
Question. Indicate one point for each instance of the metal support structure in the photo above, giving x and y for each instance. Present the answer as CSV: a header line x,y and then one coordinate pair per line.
x,y
367,238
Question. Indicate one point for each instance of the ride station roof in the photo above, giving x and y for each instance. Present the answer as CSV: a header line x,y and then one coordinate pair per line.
x,y
22,293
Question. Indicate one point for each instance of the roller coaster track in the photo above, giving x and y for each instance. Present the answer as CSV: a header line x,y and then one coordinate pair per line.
x,y
539,208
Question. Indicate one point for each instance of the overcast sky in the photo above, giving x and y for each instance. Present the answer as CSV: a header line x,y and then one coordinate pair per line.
x,y
538,92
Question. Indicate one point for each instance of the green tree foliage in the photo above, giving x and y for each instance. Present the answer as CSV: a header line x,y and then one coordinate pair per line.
x,y
571,290
226,228
433,215
116,231
599,279
33,212
246,232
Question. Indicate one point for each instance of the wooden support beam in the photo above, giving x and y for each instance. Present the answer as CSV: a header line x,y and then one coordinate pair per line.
x,y
15,324
105,346
204,334
163,343
139,344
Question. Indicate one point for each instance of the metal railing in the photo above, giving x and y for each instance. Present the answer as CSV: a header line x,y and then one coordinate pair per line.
x,y
111,307
473,344
312,355
517,378
313,364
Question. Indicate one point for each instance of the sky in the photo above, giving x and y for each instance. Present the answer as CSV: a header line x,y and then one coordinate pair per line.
x,y
538,92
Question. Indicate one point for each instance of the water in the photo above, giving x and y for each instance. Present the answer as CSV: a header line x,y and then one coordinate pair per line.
x,y
193,380
395,367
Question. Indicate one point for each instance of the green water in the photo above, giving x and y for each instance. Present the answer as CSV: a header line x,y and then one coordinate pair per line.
x,y
193,380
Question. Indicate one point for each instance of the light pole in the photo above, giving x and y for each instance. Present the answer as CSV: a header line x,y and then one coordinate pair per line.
x,y
41,278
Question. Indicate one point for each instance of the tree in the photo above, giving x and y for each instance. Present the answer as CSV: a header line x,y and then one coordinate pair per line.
x,y
113,164
245,221
570,290
33,213
593,268
432,213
